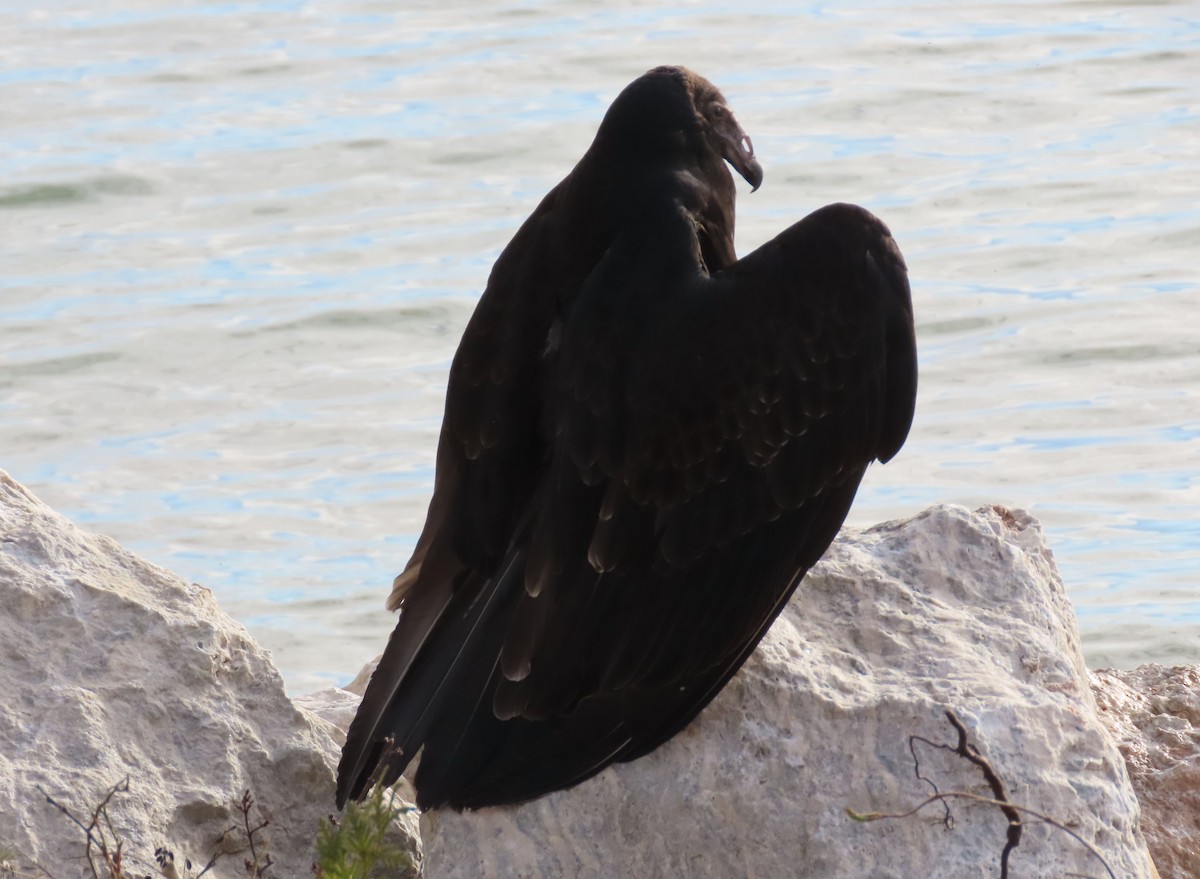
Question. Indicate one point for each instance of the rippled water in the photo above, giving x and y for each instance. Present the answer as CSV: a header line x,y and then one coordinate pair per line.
x,y
240,242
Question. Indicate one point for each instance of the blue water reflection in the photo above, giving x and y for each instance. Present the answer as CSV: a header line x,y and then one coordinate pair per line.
x,y
241,241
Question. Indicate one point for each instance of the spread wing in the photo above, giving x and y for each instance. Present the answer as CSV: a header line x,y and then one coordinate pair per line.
x,y
702,439
703,464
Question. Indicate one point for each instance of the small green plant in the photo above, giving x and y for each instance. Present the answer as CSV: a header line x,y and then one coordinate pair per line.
x,y
356,845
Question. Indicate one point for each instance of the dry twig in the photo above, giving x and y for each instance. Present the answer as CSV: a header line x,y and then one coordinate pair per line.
x,y
254,868
1012,811
101,836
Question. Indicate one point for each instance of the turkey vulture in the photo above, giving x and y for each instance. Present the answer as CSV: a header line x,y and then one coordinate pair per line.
x,y
647,443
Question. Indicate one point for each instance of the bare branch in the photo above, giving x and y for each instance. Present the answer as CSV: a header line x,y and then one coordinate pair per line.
x,y
963,748
969,752
868,817
97,830
256,865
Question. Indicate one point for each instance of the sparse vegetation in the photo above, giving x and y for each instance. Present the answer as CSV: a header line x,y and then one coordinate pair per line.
x,y
356,846
104,847
106,858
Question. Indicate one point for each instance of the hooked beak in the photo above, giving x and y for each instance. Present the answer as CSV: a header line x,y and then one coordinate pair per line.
x,y
738,151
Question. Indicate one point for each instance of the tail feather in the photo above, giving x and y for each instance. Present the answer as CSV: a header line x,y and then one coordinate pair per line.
x,y
441,635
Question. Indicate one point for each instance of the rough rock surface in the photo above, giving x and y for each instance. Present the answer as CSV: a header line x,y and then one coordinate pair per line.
x,y
1153,712
333,705
110,668
950,609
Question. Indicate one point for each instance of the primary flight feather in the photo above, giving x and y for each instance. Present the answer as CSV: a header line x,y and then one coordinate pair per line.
x,y
647,443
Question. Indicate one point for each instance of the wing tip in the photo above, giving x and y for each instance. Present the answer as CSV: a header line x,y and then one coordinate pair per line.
x,y
354,767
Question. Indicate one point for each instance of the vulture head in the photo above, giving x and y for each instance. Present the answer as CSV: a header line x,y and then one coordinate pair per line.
x,y
671,115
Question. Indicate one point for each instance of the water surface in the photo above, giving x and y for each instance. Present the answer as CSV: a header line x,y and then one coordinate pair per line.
x,y
241,241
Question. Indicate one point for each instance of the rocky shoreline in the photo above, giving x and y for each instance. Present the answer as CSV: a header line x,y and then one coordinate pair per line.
x,y
114,668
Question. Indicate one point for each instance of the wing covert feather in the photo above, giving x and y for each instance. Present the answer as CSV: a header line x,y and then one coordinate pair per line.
x,y
746,397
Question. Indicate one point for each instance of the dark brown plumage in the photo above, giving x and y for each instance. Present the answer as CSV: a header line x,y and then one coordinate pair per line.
x,y
647,443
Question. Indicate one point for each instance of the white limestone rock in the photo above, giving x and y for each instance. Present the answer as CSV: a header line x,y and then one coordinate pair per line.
x,y
335,706
1153,712
110,668
950,609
